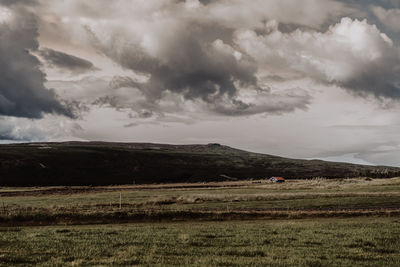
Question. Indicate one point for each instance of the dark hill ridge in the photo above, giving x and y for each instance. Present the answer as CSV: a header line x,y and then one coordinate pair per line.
x,y
102,163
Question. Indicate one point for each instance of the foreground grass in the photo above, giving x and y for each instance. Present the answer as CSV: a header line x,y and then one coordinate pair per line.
x,y
318,242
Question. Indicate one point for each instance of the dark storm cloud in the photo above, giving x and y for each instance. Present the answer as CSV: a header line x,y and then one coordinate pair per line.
x,y
123,81
65,61
191,67
217,51
185,47
198,69
22,93
378,84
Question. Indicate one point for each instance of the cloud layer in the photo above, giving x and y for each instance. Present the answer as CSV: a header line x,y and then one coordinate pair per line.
x,y
64,61
389,17
196,57
351,54
22,93
267,75
216,54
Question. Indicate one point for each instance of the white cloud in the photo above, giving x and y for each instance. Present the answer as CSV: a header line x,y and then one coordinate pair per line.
x,y
348,54
388,17
49,128
5,14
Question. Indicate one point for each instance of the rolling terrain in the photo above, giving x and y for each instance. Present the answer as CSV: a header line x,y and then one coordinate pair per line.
x,y
102,163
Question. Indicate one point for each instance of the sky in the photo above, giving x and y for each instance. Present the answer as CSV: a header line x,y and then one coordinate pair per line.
x,y
295,78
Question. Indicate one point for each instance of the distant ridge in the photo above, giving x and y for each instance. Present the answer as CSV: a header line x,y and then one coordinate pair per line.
x,y
106,163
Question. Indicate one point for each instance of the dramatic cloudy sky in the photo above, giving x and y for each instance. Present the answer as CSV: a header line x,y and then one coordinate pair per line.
x,y
297,78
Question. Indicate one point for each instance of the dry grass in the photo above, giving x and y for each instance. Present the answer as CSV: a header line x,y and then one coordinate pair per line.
x,y
190,199
217,201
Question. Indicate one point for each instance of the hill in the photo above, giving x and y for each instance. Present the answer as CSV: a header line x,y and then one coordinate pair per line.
x,y
102,163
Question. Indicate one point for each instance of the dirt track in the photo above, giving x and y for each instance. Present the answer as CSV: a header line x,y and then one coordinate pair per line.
x,y
122,217
68,190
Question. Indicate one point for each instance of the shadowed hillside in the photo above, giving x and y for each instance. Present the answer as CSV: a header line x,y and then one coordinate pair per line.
x,y
101,163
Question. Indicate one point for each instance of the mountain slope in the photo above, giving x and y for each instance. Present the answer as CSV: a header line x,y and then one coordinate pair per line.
x,y
102,163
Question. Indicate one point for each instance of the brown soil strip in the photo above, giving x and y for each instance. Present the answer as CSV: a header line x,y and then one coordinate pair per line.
x,y
68,190
175,216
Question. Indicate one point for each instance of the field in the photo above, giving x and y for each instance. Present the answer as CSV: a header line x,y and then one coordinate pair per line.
x,y
318,222
208,201
321,242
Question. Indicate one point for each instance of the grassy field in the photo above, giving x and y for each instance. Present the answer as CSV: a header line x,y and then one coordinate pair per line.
x,y
217,201
318,222
317,242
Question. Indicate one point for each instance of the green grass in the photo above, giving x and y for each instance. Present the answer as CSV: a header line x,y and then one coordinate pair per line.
x,y
290,190
317,242
293,197
206,226
178,199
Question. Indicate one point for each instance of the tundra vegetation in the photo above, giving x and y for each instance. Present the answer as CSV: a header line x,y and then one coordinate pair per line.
x,y
301,222
102,163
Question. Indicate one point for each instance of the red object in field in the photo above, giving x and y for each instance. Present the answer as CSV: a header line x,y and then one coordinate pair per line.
x,y
277,179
